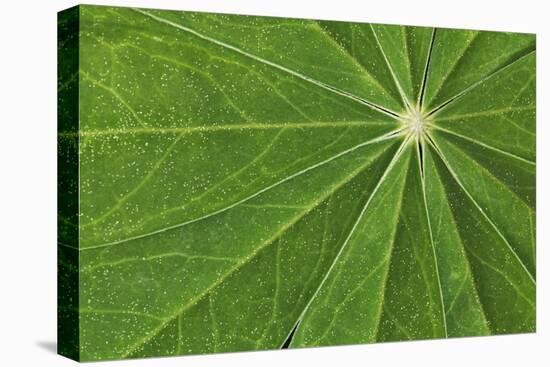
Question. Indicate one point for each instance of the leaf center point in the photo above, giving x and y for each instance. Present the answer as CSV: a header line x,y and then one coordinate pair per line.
x,y
415,123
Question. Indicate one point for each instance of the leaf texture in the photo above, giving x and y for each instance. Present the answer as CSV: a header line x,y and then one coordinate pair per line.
x,y
234,183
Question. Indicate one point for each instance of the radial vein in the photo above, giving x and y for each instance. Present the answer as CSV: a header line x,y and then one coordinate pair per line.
x,y
476,204
352,231
270,63
347,151
424,198
483,80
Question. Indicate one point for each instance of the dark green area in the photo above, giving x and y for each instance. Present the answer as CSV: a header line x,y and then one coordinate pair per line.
x,y
67,179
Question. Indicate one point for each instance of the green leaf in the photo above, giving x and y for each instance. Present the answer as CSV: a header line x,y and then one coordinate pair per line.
x,y
232,183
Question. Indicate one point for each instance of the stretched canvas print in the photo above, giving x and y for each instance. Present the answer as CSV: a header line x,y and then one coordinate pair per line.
x,y
235,183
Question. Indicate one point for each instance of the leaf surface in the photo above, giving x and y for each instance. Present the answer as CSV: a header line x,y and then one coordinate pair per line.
x,y
252,183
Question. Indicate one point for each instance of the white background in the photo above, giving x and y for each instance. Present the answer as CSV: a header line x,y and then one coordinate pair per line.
x,y
28,181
